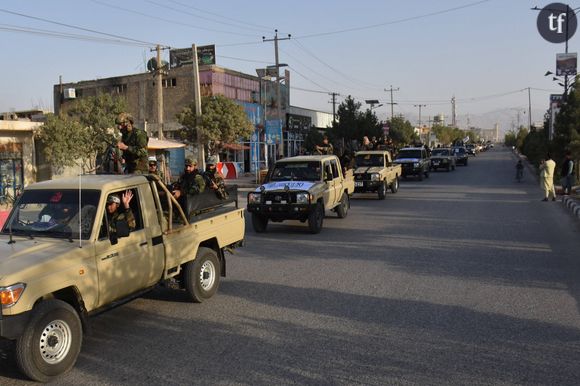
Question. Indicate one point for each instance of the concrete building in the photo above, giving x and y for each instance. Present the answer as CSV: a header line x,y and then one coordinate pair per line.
x,y
257,95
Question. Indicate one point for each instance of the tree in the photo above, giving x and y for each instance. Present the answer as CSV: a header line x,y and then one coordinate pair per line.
x,y
353,124
222,121
401,131
566,127
77,137
510,138
312,139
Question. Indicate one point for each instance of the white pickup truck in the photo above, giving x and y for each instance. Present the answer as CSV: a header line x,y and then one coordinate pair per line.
x,y
62,259
302,188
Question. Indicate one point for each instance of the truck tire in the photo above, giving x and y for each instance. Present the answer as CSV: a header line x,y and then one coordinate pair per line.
x,y
382,191
316,218
259,223
395,185
427,174
342,208
420,176
202,275
51,342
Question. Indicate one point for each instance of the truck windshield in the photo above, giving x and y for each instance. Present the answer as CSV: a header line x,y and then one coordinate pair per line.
x,y
53,213
369,160
440,152
409,154
296,171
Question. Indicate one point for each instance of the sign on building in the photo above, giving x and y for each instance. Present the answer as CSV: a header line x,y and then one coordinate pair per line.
x,y
182,56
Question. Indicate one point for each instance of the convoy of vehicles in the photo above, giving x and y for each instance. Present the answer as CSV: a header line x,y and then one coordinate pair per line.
x,y
63,258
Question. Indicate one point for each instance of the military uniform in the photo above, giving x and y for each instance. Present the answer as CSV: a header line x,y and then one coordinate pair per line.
x,y
215,180
191,183
135,155
120,214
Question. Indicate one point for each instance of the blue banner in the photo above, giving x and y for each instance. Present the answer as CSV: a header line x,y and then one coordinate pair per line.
x,y
273,131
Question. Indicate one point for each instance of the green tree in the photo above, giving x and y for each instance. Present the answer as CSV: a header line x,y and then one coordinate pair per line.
x,y
535,146
222,121
510,138
77,137
567,126
444,134
521,137
354,124
401,131
312,139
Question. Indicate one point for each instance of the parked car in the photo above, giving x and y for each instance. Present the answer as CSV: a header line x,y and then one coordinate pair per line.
x,y
443,158
461,155
414,161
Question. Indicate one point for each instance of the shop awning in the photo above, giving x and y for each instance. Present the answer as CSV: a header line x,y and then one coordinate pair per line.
x,y
161,144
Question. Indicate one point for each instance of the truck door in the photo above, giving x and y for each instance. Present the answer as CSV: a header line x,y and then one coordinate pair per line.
x,y
338,183
330,191
124,267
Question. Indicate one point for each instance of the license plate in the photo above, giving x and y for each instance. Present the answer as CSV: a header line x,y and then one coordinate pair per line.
x,y
358,184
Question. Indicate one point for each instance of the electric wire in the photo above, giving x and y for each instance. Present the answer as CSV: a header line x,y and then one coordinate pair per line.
x,y
372,26
308,79
165,6
69,36
76,27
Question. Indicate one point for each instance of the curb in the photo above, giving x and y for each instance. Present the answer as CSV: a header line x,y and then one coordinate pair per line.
x,y
572,205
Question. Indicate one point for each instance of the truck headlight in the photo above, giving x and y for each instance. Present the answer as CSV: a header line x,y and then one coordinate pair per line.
x,y
416,164
254,198
9,295
302,198
375,177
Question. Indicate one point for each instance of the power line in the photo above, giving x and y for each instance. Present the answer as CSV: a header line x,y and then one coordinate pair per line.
x,y
393,21
76,27
256,27
243,60
308,79
165,6
69,36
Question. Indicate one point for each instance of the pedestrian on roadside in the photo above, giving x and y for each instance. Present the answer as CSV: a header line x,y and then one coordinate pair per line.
x,y
547,177
567,173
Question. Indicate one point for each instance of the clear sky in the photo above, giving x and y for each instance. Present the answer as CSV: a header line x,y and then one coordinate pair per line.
x,y
486,53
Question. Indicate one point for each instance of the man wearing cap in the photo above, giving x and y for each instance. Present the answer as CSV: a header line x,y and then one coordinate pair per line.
x,y
116,212
153,167
133,143
189,183
214,179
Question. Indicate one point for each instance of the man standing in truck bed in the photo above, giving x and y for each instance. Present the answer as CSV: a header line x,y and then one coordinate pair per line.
x,y
133,143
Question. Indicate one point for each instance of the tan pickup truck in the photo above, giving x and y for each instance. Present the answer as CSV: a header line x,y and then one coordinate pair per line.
x,y
62,259
376,172
301,188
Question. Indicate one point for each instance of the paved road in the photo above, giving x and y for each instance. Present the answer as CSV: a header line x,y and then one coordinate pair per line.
x,y
463,278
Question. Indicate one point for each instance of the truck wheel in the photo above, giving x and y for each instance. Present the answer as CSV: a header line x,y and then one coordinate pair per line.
x,y
259,223
382,191
342,208
51,342
202,275
420,176
315,219
426,174
395,185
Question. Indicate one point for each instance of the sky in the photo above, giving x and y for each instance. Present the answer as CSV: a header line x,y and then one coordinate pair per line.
x,y
486,53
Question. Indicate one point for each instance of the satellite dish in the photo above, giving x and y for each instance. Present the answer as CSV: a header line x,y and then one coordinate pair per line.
x,y
152,64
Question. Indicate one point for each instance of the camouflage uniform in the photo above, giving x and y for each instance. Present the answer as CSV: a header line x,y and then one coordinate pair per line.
x,y
136,139
215,180
120,215
191,182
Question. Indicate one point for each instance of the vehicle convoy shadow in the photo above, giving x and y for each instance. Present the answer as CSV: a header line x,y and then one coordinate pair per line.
x,y
321,337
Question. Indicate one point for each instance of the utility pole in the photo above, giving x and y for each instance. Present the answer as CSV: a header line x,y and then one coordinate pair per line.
x,y
197,104
419,106
159,87
334,95
392,103
530,106
278,93
453,117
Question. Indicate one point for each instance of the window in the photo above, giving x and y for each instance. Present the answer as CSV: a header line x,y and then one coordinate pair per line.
x,y
120,89
170,82
134,206
334,169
